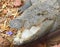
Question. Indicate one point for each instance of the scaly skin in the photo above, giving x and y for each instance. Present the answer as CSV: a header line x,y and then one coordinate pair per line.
x,y
43,15
26,5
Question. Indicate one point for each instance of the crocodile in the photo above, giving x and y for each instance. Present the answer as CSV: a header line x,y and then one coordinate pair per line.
x,y
37,20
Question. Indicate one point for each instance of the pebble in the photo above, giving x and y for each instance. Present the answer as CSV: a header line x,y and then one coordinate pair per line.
x,y
5,11
4,42
2,20
9,13
17,3
4,6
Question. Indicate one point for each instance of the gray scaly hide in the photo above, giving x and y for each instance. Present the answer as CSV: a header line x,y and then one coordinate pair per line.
x,y
37,20
36,12
27,4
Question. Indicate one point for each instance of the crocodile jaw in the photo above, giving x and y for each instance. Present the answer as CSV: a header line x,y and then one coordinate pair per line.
x,y
34,32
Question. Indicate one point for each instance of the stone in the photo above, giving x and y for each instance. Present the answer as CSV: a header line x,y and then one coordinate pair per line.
x,y
17,3
4,42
